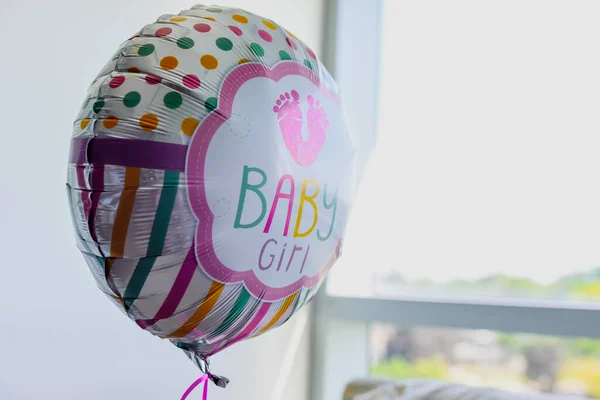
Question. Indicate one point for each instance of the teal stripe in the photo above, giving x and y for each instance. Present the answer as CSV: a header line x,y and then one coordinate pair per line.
x,y
236,311
304,299
157,238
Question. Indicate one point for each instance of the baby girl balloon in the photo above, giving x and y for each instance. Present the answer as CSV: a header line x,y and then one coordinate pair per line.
x,y
210,178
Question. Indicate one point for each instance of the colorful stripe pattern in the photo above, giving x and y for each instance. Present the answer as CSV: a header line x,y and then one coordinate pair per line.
x,y
124,211
157,238
213,295
184,277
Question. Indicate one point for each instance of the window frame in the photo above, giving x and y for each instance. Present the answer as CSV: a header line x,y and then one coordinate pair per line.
x,y
340,325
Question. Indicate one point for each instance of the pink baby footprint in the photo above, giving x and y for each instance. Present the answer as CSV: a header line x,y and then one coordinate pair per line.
x,y
317,129
290,117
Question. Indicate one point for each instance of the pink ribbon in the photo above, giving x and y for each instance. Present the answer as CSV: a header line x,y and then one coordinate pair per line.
x,y
203,378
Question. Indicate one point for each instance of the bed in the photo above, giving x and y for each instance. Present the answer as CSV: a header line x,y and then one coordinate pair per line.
x,y
423,389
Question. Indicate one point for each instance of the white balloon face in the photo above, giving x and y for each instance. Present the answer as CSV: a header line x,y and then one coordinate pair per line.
x,y
271,175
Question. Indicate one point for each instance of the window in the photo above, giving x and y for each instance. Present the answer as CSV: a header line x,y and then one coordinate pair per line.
x,y
478,210
523,363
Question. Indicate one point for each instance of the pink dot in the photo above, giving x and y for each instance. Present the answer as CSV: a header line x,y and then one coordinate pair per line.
x,y
235,30
311,53
265,36
116,81
153,80
166,31
292,44
203,28
191,81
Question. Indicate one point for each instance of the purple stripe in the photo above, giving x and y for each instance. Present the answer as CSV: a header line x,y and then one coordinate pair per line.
x,y
183,280
78,154
81,185
135,153
97,185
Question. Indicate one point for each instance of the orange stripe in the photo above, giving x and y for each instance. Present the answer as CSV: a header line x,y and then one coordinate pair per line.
x,y
209,301
108,264
284,307
124,210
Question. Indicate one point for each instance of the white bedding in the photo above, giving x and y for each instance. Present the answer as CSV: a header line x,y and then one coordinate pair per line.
x,y
434,390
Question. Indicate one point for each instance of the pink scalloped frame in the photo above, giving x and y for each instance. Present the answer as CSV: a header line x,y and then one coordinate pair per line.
x,y
195,163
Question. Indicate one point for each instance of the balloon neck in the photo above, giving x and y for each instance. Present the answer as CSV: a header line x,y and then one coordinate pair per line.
x,y
203,362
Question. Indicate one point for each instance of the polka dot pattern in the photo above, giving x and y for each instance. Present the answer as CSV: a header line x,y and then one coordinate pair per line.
x,y
168,63
116,81
149,122
269,24
291,43
166,31
284,55
191,81
185,43
173,100
98,105
146,50
224,44
257,49
202,28
189,125
153,79
240,18
209,61
132,99
166,93
211,103
110,122
264,35
236,30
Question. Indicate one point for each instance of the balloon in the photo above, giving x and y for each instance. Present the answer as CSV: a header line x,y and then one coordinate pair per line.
x,y
210,177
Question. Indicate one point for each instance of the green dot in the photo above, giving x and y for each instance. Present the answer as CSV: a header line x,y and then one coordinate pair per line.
x,y
257,49
132,99
98,104
212,9
146,50
211,103
308,64
284,55
185,43
224,44
173,100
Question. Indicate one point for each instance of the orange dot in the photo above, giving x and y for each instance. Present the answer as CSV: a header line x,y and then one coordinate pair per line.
x,y
209,18
269,24
84,123
189,125
292,35
240,18
169,63
209,62
110,122
178,19
243,60
133,69
149,122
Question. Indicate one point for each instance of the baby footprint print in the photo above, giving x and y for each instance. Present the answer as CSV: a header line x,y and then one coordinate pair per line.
x,y
290,120
289,116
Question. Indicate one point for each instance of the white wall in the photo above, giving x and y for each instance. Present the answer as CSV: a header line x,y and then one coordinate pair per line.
x,y
59,337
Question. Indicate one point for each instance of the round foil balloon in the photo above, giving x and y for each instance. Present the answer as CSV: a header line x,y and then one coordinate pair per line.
x,y
210,177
